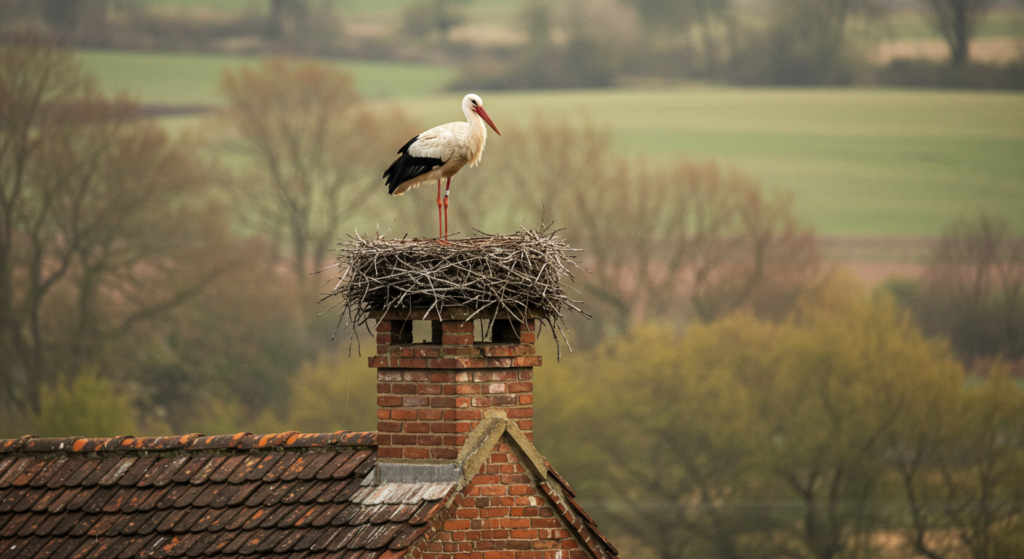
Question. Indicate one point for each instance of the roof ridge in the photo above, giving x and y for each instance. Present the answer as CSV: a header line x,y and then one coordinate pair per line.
x,y
193,441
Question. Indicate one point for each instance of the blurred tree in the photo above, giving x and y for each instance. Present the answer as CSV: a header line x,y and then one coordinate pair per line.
x,y
333,393
957,22
973,289
962,472
315,152
94,226
88,406
702,448
425,17
702,22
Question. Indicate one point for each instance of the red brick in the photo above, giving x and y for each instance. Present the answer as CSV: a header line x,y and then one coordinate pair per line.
x,y
403,414
481,402
389,401
429,415
415,452
497,388
492,490
383,388
403,388
570,544
463,427
432,389
383,440
545,522
410,401
416,376
523,534
506,400
403,439
494,512
521,490
389,452
442,427
528,338
442,402
405,351
526,399
426,352
520,387
383,414
520,412
467,389
429,440
457,339
388,427
389,376
463,402
416,427
443,377
452,525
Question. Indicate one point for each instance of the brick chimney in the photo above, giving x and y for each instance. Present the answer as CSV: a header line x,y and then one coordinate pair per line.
x,y
431,395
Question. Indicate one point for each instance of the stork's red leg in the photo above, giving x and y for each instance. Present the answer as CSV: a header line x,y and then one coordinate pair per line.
x,y
439,208
447,187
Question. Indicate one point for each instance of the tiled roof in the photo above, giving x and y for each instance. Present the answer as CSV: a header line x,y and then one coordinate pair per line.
x,y
286,494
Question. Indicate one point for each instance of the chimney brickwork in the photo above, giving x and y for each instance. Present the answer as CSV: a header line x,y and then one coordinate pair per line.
x,y
431,395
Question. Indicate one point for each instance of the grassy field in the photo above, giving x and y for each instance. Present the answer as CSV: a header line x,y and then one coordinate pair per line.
x,y
181,79
864,162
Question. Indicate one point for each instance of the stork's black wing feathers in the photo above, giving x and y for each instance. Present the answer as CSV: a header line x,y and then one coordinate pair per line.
x,y
408,167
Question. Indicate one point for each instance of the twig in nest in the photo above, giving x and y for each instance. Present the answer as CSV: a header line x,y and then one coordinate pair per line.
x,y
513,274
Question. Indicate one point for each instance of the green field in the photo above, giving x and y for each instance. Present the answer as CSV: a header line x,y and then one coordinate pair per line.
x,y
185,79
864,162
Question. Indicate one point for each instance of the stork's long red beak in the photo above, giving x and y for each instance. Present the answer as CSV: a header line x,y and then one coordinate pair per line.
x,y
483,114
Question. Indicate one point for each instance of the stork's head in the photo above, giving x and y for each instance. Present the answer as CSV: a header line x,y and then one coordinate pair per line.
x,y
474,103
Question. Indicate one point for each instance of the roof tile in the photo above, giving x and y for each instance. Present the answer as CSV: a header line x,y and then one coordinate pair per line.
x,y
189,496
117,471
235,495
149,500
28,500
224,471
210,492
82,473
138,469
301,440
68,522
426,512
242,517
14,524
205,541
160,467
281,467
154,521
190,469
315,491
297,492
207,470
237,543
12,497
351,464
174,492
49,445
224,520
103,523
327,513
407,535
171,520
90,500
84,525
290,540
52,467
280,491
47,499
332,539
333,489
102,469
58,478
84,547
276,515
29,471
314,466
122,497
216,545
134,523
40,525
189,520
89,445
219,442
13,472
242,471
5,462
270,541
295,513
208,517
138,543
337,462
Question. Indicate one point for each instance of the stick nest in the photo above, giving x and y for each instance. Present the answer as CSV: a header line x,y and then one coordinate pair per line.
x,y
520,275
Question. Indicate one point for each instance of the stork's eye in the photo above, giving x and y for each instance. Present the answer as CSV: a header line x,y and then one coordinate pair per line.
x,y
474,102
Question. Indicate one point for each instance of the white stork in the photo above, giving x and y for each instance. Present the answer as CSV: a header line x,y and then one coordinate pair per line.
x,y
439,153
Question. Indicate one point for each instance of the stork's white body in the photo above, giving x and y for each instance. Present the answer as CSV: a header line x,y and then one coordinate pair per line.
x,y
455,144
